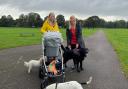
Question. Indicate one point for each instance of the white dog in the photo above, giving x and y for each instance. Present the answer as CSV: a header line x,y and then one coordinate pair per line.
x,y
33,63
69,85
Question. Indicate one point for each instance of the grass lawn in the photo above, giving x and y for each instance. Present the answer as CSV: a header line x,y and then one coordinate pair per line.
x,y
11,37
87,32
119,40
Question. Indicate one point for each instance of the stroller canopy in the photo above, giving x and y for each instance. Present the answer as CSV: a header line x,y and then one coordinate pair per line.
x,y
52,39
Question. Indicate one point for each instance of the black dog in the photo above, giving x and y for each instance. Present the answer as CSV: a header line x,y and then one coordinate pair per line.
x,y
78,57
67,55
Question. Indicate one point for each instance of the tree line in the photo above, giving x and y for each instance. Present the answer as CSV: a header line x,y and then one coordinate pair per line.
x,y
34,20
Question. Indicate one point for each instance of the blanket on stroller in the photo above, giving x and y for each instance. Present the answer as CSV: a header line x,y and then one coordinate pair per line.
x,y
52,41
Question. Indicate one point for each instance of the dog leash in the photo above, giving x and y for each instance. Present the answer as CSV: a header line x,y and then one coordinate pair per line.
x,y
56,85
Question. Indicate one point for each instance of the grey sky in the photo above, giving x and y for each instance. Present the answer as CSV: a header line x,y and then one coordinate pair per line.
x,y
81,8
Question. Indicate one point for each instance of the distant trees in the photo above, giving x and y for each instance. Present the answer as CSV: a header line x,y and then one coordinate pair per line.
x,y
116,24
10,21
34,20
96,22
6,21
93,21
3,21
30,20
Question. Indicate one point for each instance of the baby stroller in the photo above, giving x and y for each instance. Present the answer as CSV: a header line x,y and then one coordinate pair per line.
x,y
52,69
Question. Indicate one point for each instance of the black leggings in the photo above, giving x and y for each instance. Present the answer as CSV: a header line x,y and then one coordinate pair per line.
x,y
73,46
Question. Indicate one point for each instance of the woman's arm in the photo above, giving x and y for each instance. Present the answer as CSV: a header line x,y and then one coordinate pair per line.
x,y
68,37
80,37
43,28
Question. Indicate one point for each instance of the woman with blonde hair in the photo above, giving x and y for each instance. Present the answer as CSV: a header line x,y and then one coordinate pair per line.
x,y
50,24
74,34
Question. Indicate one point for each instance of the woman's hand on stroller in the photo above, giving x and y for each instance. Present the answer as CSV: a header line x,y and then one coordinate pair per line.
x,y
77,45
69,46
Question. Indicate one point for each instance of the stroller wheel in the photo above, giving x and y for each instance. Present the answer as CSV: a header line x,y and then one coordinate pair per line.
x,y
63,78
41,72
42,86
44,83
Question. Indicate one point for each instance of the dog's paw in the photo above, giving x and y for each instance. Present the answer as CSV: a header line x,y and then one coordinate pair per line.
x,y
78,70
81,69
66,66
28,72
73,67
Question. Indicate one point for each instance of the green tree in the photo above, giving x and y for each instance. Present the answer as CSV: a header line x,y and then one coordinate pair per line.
x,y
127,24
61,20
120,24
21,21
10,21
93,21
3,21
110,24
34,20
38,20
30,20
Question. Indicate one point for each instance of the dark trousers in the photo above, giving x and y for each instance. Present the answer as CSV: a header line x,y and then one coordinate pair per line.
x,y
73,46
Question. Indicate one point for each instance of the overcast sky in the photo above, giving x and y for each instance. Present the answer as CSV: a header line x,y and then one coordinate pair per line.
x,y
107,9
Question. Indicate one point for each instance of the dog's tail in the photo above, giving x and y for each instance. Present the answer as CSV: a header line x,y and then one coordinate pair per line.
x,y
26,64
88,82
